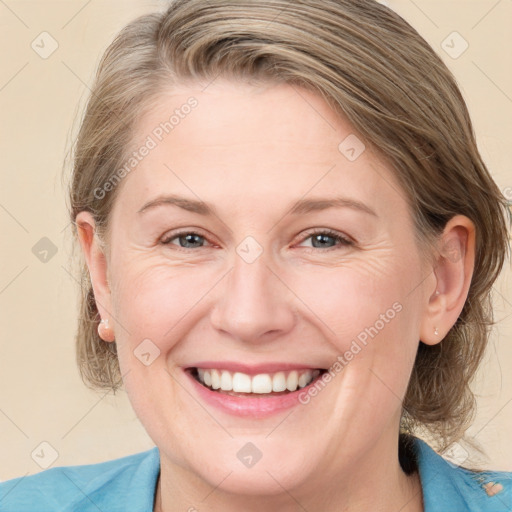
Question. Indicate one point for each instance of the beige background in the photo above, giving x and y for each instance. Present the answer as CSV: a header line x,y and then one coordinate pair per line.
x,y
42,398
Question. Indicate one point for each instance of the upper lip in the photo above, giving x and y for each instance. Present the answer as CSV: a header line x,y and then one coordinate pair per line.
x,y
251,369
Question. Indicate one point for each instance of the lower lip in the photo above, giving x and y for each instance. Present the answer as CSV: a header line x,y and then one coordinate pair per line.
x,y
255,407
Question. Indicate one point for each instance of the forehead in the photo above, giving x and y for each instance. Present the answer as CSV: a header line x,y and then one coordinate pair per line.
x,y
238,142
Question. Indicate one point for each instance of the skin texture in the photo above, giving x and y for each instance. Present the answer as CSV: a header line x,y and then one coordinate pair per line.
x,y
252,152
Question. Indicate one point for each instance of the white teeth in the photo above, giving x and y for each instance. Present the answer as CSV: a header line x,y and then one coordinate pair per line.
x,y
279,382
292,381
241,383
303,379
226,381
215,379
262,383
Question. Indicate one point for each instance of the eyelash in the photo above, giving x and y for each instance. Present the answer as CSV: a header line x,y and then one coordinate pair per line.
x,y
343,241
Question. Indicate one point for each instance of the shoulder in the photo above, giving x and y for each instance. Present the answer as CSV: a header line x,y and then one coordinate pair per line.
x,y
451,488
126,484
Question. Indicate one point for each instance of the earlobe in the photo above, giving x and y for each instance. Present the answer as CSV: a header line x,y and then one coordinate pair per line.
x,y
453,273
97,265
433,328
105,331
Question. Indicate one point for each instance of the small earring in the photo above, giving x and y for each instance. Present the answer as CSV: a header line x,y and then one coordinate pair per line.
x,y
436,332
105,332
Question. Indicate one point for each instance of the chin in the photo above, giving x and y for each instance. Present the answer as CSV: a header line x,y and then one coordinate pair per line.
x,y
242,468
261,481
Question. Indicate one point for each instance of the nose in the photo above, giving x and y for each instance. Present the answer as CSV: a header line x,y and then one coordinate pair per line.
x,y
255,305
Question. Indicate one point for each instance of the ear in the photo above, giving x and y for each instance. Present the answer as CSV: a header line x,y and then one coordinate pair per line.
x,y
96,262
453,272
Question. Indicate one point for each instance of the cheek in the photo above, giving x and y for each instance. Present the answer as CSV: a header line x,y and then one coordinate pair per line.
x,y
361,299
370,314
155,299
352,298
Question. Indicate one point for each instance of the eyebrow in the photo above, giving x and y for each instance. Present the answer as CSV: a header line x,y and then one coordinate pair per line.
x,y
301,207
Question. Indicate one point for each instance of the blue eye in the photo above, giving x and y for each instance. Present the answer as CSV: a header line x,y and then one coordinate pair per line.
x,y
187,239
321,239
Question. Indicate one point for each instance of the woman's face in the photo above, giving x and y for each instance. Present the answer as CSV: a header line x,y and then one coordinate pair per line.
x,y
264,181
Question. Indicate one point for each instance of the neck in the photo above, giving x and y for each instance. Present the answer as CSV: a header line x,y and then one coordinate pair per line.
x,y
378,484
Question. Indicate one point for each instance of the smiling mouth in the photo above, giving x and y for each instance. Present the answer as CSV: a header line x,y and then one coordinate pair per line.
x,y
262,385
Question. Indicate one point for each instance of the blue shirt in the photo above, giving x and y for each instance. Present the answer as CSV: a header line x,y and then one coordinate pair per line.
x,y
128,485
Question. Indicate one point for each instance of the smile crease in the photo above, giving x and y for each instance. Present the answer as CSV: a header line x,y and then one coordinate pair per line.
x,y
263,383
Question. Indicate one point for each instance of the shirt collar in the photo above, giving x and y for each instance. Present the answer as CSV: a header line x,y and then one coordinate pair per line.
x,y
447,486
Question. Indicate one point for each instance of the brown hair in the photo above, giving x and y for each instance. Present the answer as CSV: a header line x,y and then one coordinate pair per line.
x,y
372,67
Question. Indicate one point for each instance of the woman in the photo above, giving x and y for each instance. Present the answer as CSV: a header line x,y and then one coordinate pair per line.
x,y
289,240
